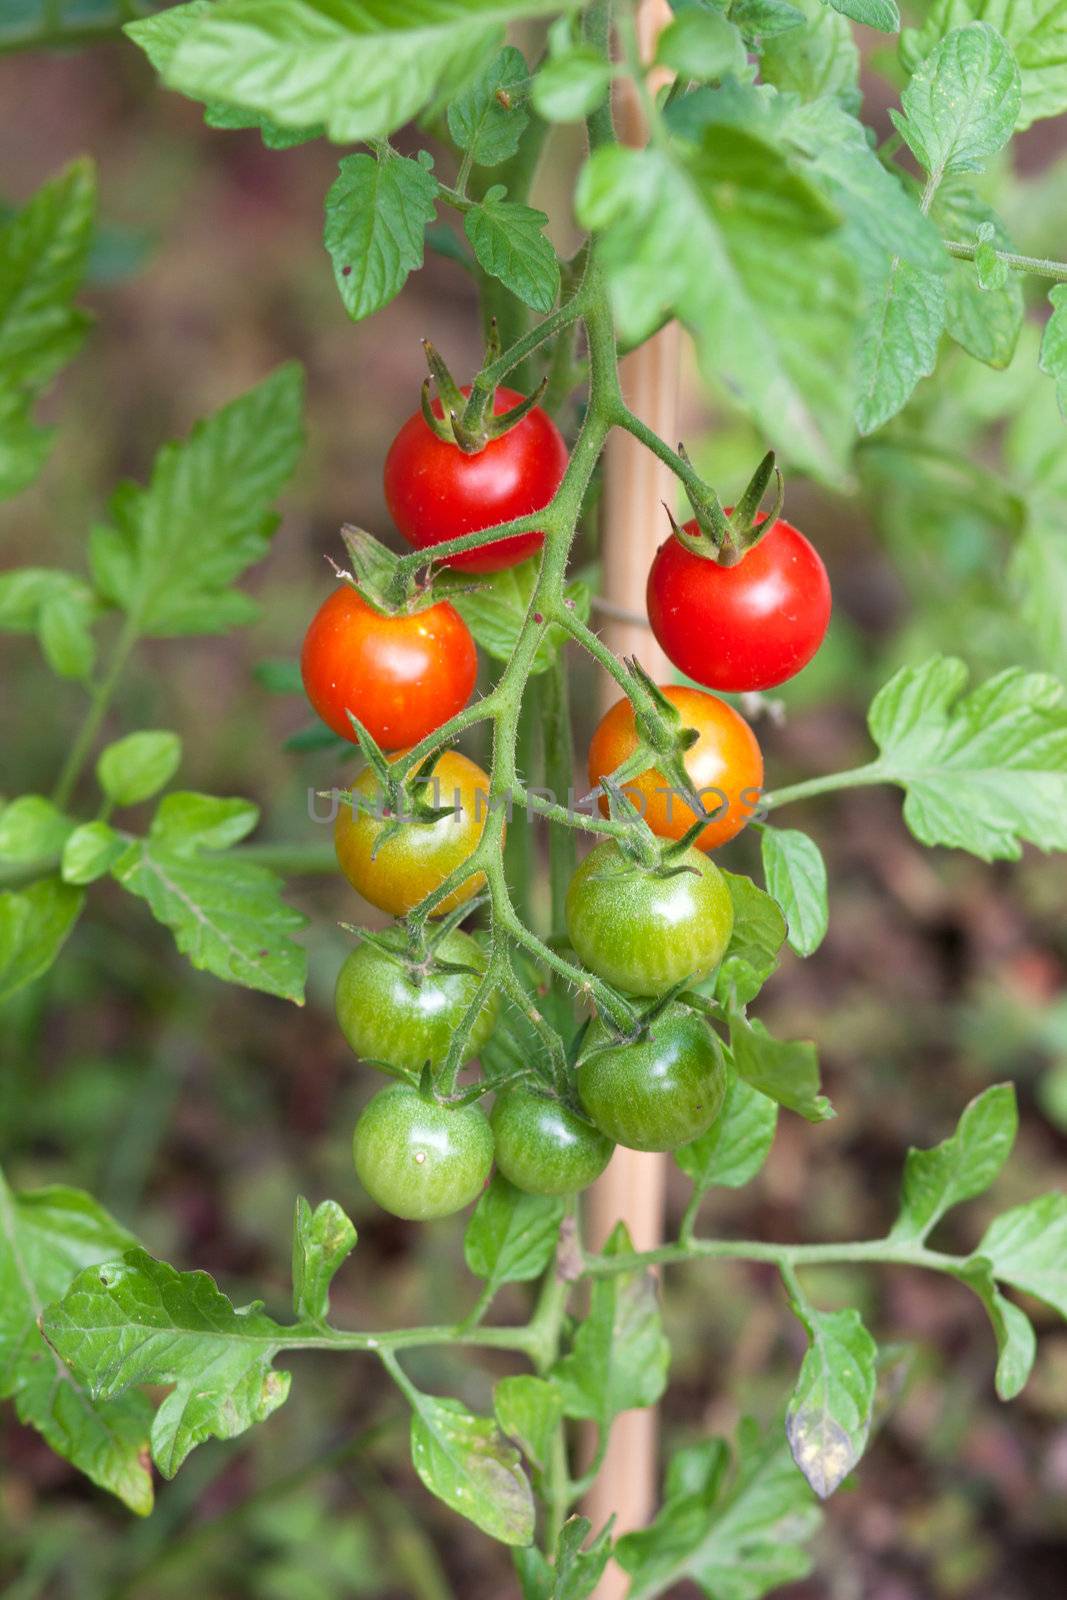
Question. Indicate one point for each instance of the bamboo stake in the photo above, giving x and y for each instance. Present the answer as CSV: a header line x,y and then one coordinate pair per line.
x,y
633,1189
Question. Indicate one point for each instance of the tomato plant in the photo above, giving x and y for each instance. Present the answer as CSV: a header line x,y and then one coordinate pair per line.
x,y
748,625
436,492
644,930
724,765
856,303
658,1091
396,870
402,676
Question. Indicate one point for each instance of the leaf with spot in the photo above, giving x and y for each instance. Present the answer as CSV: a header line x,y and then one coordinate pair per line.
x,y
962,102
377,212
487,118
829,1416
465,1461
139,1321
46,1237
529,1410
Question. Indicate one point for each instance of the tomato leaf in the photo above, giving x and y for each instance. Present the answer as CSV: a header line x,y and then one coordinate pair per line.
x,y
1054,344
570,85
464,1460
323,1240
509,243
486,122
137,767
1012,1328
58,606
757,937
984,318
529,1410
46,1236
735,1529
138,1321
511,1236
1027,1247
982,771
578,1571
736,1145
496,609
962,102
880,14
227,915
786,1071
1035,31
796,878
173,550
620,1356
377,212
32,829
34,926
829,1417
959,1168
820,61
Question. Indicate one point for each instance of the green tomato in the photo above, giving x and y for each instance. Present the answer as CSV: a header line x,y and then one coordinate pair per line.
x,y
419,1159
544,1147
393,1012
643,932
659,1092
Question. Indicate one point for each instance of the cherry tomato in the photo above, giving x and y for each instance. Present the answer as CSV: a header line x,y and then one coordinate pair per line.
x,y
397,874
393,1012
435,492
659,1092
725,765
748,626
543,1147
419,1159
643,932
403,676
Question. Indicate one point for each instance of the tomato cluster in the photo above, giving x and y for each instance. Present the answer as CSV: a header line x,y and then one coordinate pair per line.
x,y
644,919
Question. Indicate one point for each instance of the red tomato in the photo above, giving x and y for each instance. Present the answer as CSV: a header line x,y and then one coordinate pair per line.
x,y
403,676
725,764
435,492
749,626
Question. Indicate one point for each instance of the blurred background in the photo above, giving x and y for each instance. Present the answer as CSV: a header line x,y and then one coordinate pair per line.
x,y
196,1111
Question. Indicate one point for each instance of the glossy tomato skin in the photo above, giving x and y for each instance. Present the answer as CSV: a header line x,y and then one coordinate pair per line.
x,y
726,764
435,492
397,874
749,626
419,1159
644,933
389,1013
543,1147
403,676
660,1092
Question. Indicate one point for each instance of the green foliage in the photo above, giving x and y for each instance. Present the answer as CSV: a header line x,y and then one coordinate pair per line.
x,y
529,1410
1035,32
830,1411
960,1168
511,1236
487,120
509,244
736,1145
497,609
796,877
323,1240
785,1071
377,213
464,1460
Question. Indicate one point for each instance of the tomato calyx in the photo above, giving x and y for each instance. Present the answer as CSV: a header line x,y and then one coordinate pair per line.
x,y
381,578
468,421
401,799
726,536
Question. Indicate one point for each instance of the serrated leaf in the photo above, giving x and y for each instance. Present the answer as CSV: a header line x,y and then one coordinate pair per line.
x,y
464,1460
137,767
962,102
819,60
529,1410
1027,1247
509,243
985,319
360,71
796,878
485,122
377,212
959,1168
578,1570
766,19
571,85
785,1070
738,1533
881,14
620,1356
904,319
34,926
323,1240
1035,30
32,829
174,549
511,1236
982,771
227,915
687,234
1012,1328
90,852
46,1236
736,1145
757,937
139,1321
830,1411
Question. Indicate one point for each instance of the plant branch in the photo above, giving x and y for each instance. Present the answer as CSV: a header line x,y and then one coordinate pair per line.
x,y
1040,266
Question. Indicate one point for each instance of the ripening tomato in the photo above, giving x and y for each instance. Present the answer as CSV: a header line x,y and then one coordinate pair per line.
x,y
436,492
543,1147
725,765
420,1159
749,626
662,1090
396,874
403,676
642,931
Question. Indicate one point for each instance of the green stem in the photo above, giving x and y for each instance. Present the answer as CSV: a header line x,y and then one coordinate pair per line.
x,y
98,708
885,1252
520,863
559,780
856,778
1040,266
